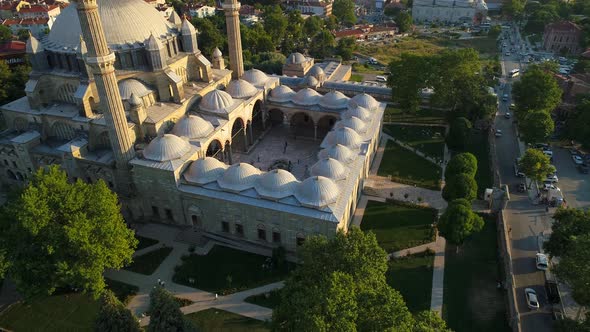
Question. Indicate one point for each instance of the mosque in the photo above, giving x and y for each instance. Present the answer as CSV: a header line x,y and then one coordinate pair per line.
x,y
119,93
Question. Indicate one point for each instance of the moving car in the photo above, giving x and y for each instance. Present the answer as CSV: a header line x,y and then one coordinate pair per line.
x,y
507,115
505,97
541,261
531,298
512,106
578,160
521,187
507,54
498,133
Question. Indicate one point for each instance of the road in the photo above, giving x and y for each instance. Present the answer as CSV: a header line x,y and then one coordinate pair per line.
x,y
525,220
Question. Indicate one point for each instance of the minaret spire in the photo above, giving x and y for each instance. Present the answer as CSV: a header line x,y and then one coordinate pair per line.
x,y
232,19
102,63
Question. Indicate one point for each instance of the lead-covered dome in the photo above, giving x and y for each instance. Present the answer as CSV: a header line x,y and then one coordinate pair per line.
x,y
296,58
255,77
310,81
124,21
334,100
339,152
317,72
306,97
206,170
344,136
241,89
130,87
166,148
353,123
330,168
276,184
366,101
192,126
357,111
317,192
281,94
239,177
216,101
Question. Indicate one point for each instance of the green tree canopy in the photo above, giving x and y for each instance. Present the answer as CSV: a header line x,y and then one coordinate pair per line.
x,y
404,21
568,224
578,124
462,163
430,321
344,11
574,269
345,48
209,36
5,34
535,165
459,222
460,186
536,90
459,133
408,76
514,8
536,127
165,314
322,45
275,22
312,26
50,220
113,316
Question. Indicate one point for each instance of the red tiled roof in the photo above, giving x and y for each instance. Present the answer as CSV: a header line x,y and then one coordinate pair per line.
x,y
348,33
13,47
563,26
38,9
26,21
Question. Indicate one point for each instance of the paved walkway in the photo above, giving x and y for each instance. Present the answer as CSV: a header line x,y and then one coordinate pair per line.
x,y
383,187
438,276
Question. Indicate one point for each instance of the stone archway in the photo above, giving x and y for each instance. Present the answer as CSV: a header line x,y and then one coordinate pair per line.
x,y
275,117
301,125
239,141
215,150
257,123
324,125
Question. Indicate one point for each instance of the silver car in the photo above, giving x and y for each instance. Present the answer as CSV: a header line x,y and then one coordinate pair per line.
x,y
531,298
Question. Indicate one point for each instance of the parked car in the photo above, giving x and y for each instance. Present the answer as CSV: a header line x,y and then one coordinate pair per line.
x,y
512,106
531,298
574,152
578,160
548,185
541,261
517,172
507,115
583,168
505,97
498,133
552,177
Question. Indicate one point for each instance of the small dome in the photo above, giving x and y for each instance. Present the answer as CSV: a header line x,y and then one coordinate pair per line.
x,y
239,177
344,136
296,58
132,87
317,72
281,94
241,89
306,97
166,148
317,191
134,100
203,171
192,126
188,28
334,100
366,101
276,184
255,77
217,53
338,152
310,81
357,111
216,101
353,123
330,168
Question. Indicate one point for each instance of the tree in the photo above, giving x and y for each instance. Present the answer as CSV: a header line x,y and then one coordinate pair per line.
x,y
537,126
113,316
430,321
568,224
459,222
345,48
574,269
350,268
331,23
460,186
536,90
514,8
578,124
322,45
312,26
459,133
209,36
275,22
5,34
408,76
462,163
344,11
404,21
535,165
23,34
165,314
569,325
50,220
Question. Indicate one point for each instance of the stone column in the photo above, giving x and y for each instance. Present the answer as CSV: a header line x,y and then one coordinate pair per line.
x,y
315,132
234,40
250,134
246,143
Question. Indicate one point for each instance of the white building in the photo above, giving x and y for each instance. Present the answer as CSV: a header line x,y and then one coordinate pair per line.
x,y
448,11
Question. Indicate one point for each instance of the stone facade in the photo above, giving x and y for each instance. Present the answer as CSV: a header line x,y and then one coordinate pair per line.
x,y
448,11
562,36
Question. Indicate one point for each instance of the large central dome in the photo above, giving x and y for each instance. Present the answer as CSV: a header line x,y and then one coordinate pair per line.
x,y
124,21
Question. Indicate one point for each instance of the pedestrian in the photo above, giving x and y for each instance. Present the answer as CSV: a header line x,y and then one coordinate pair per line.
x,y
216,296
547,208
163,284
159,281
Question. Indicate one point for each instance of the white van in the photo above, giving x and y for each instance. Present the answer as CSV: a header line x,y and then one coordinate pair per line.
x,y
380,78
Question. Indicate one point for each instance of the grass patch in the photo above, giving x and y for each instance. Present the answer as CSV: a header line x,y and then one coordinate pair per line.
x,y
426,139
144,242
399,226
68,312
149,262
423,116
220,320
124,292
405,166
479,146
356,78
487,45
366,69
386,52
224,270
412,277
471,300
270,300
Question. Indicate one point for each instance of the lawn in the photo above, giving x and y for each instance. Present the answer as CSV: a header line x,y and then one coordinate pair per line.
x,y
471,300
144,242
386,52
220,320
426,139
405,166
399,226
479,146
423,116
149,262
356,78
225,270
123,291
71,312
412,277
268,300
487,46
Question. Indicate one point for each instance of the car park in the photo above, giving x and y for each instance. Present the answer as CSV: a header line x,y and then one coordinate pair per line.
x,y
531,298
578,160
541,262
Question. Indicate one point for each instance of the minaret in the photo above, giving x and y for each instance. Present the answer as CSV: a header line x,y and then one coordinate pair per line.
x,y
102,63
234,40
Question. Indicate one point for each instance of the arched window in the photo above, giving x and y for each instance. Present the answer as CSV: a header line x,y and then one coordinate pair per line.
x,y
195,220
300,239
261,232
276,235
